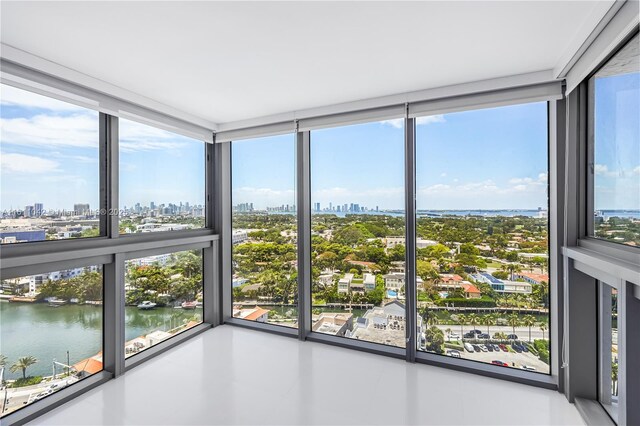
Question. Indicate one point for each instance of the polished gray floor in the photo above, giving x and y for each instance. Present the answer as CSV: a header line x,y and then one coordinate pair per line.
x,y
231,375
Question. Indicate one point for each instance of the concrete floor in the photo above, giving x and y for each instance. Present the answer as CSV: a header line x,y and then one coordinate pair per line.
x,y
231,375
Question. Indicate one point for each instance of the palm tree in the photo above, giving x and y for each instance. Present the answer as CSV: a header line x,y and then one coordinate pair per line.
x,y
488,320
543,327
3,360
512,268
22,364
462,319
431,318
529,321
473,320
448,331
513,320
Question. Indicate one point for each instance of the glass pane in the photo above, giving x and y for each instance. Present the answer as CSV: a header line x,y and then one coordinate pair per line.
x,y
162,180
358,228
163,296
50,183
265,230
615,91
482,235
50,333
609,350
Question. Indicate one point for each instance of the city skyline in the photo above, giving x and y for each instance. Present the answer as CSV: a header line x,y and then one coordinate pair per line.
x,y
50,150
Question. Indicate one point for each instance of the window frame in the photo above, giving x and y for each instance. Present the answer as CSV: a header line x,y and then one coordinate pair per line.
x,y
103,172
277,328
499,97
587,88
111,251
114,128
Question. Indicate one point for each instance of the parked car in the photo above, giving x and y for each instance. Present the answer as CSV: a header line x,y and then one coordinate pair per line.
x,y
476,348
516,347
512,336
454,353
454,336
496,348
524,347
503,347
528,368
500,363
483,348
468,347
469,335
484,336
476,331
489,347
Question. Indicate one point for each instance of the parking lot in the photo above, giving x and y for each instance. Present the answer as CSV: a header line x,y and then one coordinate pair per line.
x,y
511,358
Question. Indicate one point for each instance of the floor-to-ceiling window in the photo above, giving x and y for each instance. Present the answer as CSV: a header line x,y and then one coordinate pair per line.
x,y
615,146
162,179
482,235
163,297
358,232
51,333
265,230
50,183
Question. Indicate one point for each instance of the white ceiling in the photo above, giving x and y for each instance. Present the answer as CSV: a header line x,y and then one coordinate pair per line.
x,y
223,61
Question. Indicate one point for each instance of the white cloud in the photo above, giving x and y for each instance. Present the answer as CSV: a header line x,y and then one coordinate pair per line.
x,y
443,175
139,137
28,164
80,130
12,96
603,170
77,130
398,123
430,119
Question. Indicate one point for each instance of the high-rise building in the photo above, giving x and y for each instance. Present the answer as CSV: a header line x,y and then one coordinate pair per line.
x,y
29,211
38,209
81,209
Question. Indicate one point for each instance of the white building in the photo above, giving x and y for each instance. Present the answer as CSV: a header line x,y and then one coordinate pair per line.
x,y
344,284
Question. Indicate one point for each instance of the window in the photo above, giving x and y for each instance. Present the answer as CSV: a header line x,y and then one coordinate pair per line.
x,y
162,180
51,333
358,232
608,345
163,297
50,183
615,127
482,235
265,230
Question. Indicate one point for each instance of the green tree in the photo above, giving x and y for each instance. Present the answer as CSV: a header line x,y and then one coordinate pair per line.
x,y
488,320
473,319
462,320
529,321
22,364
435,340
543,327
511,268
513,320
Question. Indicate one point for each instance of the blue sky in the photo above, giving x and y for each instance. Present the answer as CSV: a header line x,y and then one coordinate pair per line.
x,y
49,154
482,159
494,158
617,142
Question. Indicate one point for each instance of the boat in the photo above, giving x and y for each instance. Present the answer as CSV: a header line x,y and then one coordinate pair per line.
x,y
147,305
22,299
55,302
189,305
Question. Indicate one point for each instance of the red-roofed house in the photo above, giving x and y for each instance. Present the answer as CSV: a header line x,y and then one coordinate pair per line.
x,y
531,278
471,291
